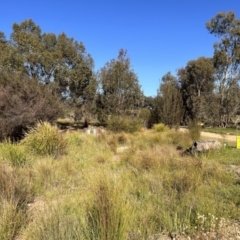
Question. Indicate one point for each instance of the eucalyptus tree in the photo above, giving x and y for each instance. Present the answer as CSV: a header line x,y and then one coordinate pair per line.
x,y
197,84
8,60
120,92
56,60
226,59
169,101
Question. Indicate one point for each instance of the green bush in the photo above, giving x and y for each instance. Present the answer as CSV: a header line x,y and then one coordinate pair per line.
x,y
13,153
45,139
160,127
124,124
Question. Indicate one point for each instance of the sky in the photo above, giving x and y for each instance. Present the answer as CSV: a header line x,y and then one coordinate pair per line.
x,y
159,35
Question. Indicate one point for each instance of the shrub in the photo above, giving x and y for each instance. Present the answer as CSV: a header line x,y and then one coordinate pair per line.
x,y
45,139
160,127
124,124
23,102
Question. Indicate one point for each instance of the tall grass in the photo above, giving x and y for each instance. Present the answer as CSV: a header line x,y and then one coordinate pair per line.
x,y
13,153
15,193
96,192
11,219
57,222
108,213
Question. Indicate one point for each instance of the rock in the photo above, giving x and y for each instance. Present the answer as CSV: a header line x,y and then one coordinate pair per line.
x,y
206,145
202,146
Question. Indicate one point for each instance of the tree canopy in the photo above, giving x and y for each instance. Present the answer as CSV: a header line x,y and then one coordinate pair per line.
x,y
119,86
52,59
226,61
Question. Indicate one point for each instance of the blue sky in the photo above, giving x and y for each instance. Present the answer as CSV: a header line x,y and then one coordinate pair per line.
x,y
159,35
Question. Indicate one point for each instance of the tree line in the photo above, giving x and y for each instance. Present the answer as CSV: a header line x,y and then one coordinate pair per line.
x,y
44,75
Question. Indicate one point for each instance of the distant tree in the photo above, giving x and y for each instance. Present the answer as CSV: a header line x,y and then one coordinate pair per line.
x,y
24,102
120,91
197,83
170,101
226,62
149,102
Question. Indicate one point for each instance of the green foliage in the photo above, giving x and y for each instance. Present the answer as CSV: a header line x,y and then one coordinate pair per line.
x,y
121,92
226,62
45,139
169,101
197,84
13,153
124,124
64,65
194,130
160,127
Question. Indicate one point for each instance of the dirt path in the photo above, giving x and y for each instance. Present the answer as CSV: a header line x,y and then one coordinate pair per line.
x,y
224,137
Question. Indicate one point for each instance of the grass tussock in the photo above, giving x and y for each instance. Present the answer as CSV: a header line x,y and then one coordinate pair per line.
x,y
45,139
15,194
57,222
11,220
108,213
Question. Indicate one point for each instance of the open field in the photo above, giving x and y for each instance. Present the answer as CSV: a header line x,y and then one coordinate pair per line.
x,y
117,186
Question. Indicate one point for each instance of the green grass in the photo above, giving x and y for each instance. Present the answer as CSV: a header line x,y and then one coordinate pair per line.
x,y
92,191
231,131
